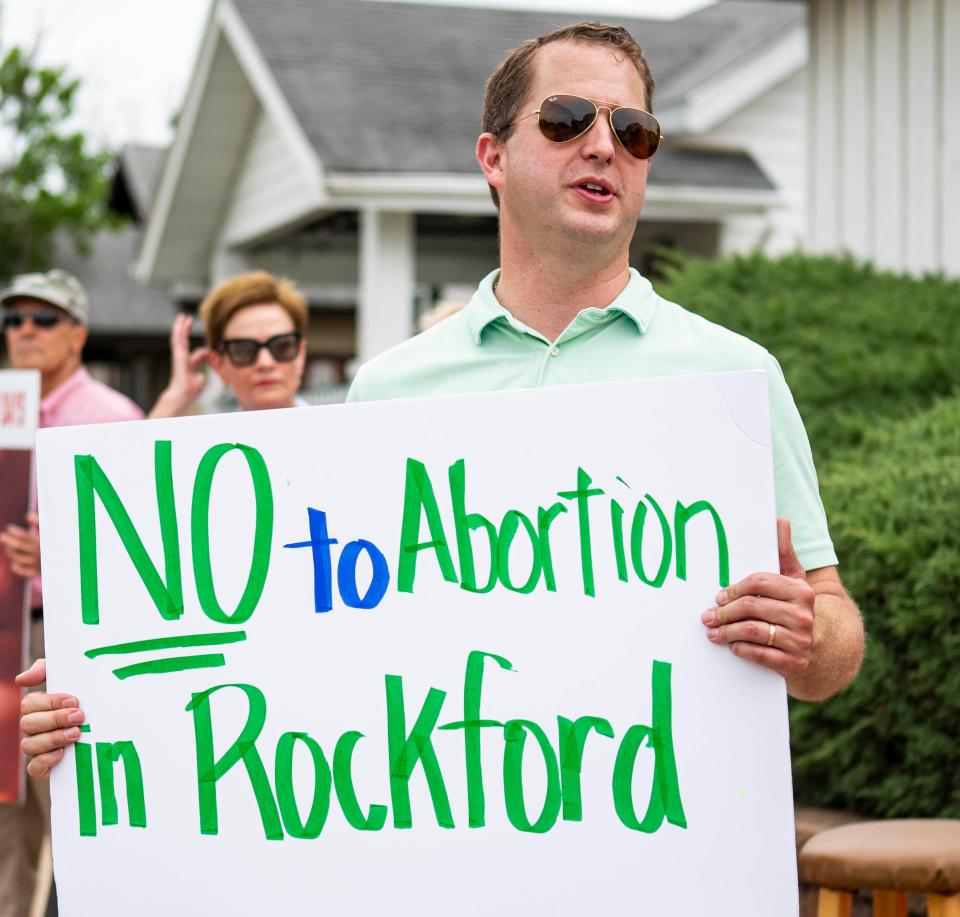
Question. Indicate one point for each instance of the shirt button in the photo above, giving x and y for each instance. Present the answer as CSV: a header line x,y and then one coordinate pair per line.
x,y
554,351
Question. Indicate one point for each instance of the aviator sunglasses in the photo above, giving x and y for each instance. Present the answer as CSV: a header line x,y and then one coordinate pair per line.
x,y
242,352
41,318
564,118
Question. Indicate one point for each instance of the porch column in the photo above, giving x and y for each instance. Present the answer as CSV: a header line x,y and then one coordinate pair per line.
x,y
387,262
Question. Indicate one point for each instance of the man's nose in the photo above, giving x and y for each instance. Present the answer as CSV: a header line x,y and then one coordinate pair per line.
x,y
599,141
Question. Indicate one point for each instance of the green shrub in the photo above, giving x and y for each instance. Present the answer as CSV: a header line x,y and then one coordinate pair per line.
x,y
873,360
855,344
889,745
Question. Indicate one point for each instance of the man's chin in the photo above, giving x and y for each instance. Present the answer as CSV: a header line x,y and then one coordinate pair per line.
x,y
32,359
593,229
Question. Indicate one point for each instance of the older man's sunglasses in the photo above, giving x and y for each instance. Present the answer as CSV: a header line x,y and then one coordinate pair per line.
x,y
41,318
564,118
242,352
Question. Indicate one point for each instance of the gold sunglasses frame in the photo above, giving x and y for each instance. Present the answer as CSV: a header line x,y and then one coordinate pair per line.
x,y
599,106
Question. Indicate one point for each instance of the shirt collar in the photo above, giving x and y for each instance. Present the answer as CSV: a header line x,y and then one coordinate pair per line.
x,y
63,391
638,301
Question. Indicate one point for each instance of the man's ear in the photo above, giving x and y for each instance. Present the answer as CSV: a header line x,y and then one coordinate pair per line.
x,y
78,338
490,155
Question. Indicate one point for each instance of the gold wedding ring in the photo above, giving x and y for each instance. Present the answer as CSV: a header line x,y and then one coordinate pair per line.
x,y
773,635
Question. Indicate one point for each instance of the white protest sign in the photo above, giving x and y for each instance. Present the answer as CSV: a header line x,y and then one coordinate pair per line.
x,y
440,656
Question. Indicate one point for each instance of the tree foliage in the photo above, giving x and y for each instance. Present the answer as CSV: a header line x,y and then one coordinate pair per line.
x,y
50,180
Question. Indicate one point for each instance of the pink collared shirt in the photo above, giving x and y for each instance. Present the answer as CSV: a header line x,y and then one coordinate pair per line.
x,y
80,399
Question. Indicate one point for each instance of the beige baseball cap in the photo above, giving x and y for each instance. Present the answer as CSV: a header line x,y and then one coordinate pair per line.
x,y
56,287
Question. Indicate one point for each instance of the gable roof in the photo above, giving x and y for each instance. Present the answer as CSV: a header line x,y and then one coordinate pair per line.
x,y
398,87
135,181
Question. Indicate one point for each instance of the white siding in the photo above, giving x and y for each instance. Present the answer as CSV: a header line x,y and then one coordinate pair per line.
x,y
824,138
856,192
950,121
890,148
921,82
772,129
885,132
270,188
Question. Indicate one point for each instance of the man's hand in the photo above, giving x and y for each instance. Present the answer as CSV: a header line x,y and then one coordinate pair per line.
x,y
22,547
802,625
187,376
49,722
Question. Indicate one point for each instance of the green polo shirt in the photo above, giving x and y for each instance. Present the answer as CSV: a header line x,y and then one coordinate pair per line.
x,y
639,335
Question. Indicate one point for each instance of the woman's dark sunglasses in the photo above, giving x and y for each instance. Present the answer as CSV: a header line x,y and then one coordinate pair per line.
x,y
41,318
564,118
242,352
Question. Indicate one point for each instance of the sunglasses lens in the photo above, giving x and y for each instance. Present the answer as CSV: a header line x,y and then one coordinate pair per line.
x,y
638,131
44,319
241,352
41,318
284,347
564,118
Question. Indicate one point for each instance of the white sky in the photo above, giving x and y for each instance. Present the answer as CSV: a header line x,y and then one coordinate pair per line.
x,y
134,56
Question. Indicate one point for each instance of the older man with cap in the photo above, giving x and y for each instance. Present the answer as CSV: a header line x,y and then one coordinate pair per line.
x,y
45,318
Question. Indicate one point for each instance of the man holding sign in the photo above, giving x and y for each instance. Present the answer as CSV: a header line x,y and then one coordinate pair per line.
x,y
566,150
568,141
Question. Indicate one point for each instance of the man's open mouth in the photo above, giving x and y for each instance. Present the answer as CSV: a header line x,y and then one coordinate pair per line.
x,y
596,191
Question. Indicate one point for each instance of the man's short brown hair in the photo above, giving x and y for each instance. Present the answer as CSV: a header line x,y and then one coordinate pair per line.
x,y
252,289
510,82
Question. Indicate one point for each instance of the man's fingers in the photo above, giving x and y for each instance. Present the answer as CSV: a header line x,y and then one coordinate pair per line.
x,y
19,548
785,664
767,585
789,562
36,675
41,702
33,724
49,741
760,608
13,536
16,552
33,520
40,766
759,634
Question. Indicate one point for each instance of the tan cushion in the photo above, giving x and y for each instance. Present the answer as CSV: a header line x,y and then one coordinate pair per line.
x,y
921,855
810,821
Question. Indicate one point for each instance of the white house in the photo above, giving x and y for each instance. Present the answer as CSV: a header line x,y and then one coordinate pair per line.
x,y
885,132
332,141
